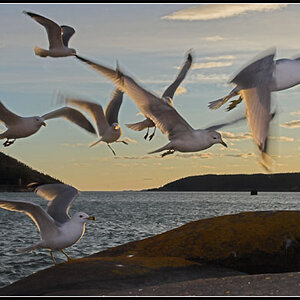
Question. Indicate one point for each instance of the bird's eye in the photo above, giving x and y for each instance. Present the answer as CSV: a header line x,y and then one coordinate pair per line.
x,y
215,138
80,216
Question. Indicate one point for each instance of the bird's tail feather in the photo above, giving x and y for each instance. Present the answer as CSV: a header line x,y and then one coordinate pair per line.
x,y
95,143
137,126
40,52
166,147
27,249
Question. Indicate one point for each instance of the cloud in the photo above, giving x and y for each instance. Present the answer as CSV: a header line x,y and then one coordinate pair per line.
x,y
282,138
220,11
209,78
232,136
211,64
220,57
214,38
181,90
292,124
295,112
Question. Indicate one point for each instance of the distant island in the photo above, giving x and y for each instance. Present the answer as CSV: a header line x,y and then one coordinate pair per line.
x,y
280,182
15,175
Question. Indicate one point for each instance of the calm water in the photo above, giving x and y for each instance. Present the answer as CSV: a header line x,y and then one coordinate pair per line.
x,y
121,217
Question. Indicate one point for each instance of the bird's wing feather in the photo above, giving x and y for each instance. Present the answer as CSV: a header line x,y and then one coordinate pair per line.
x,y
39,216
72,115
113,107
257,73
165,117
258,103
94,109
54,31
60,197
170,91
221,125
67,33
7,117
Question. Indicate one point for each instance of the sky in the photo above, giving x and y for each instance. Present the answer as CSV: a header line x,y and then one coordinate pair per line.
x,y
150,42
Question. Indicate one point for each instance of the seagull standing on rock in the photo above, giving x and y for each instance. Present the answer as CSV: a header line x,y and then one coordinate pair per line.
x,y
182,136
57,230
58,37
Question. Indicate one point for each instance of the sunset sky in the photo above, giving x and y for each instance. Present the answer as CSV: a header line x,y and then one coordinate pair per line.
x,y
150,42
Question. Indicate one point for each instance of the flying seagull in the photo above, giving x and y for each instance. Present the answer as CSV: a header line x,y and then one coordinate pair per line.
x,y
254,84
58,37
21,127
182,136
57,230
167,96
109,130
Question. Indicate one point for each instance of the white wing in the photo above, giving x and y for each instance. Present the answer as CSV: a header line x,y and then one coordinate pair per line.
x,y
39,216
60,197
165,117
54,31
7,117
72,115
258,102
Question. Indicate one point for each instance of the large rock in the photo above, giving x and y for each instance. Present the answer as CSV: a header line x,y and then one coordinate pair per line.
x,y
249,242
253,242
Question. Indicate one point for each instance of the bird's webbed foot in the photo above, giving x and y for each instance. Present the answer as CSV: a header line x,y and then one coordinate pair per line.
x,y
152,135
8,142
234,103
146,135
167,153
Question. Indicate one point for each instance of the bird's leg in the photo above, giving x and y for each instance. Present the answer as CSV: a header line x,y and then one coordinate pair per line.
x,y
234,103
152,135
146,135
168,152
124,142
111,149
8,142
52,256
63,252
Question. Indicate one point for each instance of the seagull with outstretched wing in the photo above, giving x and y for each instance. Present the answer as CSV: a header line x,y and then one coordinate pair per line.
x,y
58,37
167,96
108,126
182,137
21,127
57,229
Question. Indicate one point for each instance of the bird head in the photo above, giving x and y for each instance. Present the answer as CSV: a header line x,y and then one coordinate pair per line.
x,y
115,126
39,121
82,217
216,138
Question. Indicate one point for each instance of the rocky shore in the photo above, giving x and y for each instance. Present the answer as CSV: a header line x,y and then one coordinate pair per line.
x,y
250,253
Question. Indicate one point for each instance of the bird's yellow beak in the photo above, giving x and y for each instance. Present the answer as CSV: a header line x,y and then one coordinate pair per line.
x,y
92,218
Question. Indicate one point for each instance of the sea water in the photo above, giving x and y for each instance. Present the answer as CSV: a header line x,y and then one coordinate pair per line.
x,y
121,217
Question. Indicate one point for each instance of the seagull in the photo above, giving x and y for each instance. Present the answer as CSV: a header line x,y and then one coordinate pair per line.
x,y
182,136
21,127
58,37
276,75
254,84
57,230
167,96
108,126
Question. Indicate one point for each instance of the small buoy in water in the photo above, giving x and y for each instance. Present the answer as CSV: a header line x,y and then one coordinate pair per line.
x,y
254,192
